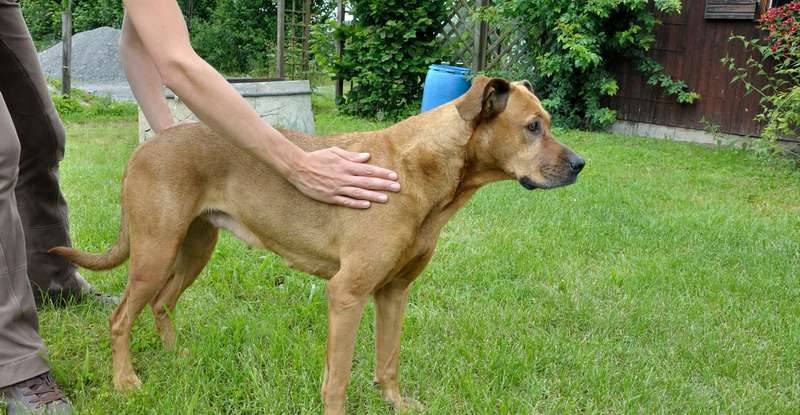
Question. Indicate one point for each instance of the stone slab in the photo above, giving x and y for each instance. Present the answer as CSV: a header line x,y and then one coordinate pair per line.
x,y
284,104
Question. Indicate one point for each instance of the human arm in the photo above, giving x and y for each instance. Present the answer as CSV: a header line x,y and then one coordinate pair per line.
x,y
143,77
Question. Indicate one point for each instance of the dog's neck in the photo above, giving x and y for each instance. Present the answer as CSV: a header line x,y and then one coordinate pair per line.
x,y
443,147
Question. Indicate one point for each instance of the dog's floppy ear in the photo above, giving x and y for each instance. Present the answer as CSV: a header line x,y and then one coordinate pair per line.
x,y
527,84
486,98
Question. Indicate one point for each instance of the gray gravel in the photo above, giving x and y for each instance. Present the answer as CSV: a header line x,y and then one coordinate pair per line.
x,y
95,63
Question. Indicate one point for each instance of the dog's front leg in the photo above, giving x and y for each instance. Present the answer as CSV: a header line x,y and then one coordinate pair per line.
x,y
345,307
390,305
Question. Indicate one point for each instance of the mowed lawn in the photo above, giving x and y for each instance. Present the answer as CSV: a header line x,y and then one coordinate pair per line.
x,y
664,281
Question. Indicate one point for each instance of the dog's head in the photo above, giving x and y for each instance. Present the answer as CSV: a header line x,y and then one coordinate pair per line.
x,y
512,135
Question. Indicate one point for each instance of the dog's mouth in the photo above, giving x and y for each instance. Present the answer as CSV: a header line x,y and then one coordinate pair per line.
x,y
529,184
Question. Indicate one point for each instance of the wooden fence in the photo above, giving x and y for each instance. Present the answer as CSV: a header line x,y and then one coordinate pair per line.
x,y
690,48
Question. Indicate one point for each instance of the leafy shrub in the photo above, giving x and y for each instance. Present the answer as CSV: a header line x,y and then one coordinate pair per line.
x,y
388,48
777,65
234,36
238,37
571,45
44,17
91,14
44,20
80,106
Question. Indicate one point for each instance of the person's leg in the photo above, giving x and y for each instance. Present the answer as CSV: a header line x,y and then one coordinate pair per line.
x,y
41,205
25,382
22,352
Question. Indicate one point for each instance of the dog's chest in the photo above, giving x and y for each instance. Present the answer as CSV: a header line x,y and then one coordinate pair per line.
x,y
301,261
225,221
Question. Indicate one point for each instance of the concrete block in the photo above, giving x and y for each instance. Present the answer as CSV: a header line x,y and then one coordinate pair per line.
x,y
281,103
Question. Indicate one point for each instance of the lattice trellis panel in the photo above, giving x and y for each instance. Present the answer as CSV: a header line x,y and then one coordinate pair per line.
x,y
502,48
505,49
297,30
456,38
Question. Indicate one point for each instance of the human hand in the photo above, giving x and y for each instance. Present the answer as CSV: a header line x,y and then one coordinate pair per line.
x,y
341,177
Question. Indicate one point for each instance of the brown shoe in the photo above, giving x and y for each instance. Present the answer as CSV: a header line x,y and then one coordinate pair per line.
x,y
88,293
80,290
37,395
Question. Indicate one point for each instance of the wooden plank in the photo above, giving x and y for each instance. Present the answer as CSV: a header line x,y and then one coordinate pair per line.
x,y
729,2
480,36
764,6
66,52
306,33
339,52
279,53
189,11
731,9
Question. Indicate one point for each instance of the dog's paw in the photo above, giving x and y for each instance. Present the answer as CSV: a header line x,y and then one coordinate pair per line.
x,y
407,405
125,383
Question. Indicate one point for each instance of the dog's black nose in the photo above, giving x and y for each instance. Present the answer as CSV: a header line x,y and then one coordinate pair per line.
x,y
576,163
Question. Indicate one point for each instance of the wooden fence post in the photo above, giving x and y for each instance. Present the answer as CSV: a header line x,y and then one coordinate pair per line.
x,y
480,39
189,6
306,35
339,51
281,40
66,51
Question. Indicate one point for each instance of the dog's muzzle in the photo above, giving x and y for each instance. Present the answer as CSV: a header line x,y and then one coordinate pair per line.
x,y
527,183
568,174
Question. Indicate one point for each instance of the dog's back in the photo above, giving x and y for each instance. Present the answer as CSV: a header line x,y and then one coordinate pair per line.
x,y
233,190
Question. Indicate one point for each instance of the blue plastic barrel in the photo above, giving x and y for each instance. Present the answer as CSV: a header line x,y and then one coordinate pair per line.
x,y
443,84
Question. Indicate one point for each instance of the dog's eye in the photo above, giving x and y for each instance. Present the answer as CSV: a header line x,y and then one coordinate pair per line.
x,y
535,127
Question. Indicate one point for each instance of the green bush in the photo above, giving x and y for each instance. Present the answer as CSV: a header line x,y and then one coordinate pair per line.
x,y
775,60
238,37
570,45
80,106
91,14
388,48
44,20
234,36
44,17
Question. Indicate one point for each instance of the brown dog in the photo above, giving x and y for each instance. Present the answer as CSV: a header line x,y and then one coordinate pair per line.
x,y
183,185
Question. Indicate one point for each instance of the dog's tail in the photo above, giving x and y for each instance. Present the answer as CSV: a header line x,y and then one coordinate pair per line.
x,y
113,257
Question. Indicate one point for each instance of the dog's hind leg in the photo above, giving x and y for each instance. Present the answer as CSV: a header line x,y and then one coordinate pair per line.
x,y
193,256
152,262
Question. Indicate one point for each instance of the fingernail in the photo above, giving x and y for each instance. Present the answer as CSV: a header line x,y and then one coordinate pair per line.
x,y
383,198
392,176
364,154
395,186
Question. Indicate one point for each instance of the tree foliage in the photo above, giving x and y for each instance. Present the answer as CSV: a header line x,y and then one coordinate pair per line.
x,y
775,62
238,36
572,44
44,17
388,48
235,36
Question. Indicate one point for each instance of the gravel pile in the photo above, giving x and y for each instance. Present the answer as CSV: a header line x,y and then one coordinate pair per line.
x,y
95,58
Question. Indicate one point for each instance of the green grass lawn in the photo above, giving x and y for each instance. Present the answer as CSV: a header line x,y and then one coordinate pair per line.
x,y
664,281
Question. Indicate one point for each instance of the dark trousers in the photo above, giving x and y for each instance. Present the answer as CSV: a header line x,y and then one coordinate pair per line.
x,y
33,214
